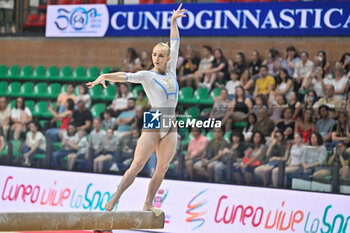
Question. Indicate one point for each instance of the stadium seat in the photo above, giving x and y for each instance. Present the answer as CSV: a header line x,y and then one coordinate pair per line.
x,y
13,71
52,72
202,96
101,2
227,136
42,21
186,96
40,90
97,109
62,2
136,90
26,72
65,73
32,20
14,89
26,90
95,92
215,93
106,70
12,103
77,2
3,71
92,73
4,152
108,93
39,73
3,88
16,144
29,104
210,135
40,109
79,74
54,90
193,112
205,111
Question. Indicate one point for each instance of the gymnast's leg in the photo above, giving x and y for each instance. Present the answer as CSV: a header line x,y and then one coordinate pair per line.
x,y
145,147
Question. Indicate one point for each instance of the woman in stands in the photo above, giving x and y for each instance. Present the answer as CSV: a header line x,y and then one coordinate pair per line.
x,y
305,125
20,117
35,143
161,88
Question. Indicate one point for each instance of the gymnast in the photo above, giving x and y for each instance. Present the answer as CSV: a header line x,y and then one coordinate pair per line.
x,y
161,88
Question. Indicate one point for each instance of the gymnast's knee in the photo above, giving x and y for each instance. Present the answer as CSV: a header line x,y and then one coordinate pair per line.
x,y
135,168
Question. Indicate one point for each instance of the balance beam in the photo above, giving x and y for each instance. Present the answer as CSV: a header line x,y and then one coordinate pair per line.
x,y
60,221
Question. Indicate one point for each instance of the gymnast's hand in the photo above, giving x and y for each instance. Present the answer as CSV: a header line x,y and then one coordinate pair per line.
x,y
178,13
99,80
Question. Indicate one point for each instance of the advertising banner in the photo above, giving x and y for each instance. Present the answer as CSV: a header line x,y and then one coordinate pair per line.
x,y
188,206
210,19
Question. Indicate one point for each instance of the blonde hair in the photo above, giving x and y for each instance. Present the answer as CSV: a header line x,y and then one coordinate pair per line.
x,y
165,45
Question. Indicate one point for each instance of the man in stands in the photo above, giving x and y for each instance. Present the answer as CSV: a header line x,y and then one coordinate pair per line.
x,y
82,117
303,69
333,103
265,83
189,66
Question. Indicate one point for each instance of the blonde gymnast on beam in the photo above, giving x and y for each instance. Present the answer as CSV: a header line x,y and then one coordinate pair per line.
x,y
161,88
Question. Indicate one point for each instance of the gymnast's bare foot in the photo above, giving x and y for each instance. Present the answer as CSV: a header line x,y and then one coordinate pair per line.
x,y
155,210
111,204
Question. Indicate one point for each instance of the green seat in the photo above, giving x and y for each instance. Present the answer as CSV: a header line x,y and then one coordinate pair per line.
x,y
26,72
136,90
227,136
215,93
3,88
239,124
14,89
210,135
108,93
12,103
97,109
3,71
13,71
53,90
16,144
4,152
40,90
27,89
40,109
202,96
39,73
79,74
95,92
186,96
205,111
42,123
106,70
92,73
65,73
52,72
192,112
29,104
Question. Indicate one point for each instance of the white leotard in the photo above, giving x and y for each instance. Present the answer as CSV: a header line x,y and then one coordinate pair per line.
x,y
161,90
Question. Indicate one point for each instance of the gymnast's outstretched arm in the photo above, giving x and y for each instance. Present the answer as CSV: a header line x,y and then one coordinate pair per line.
x,y
174,31
112,77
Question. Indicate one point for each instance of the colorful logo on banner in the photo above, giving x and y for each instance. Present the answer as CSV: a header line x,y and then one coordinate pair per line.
x,y
194,210
159,200
152,120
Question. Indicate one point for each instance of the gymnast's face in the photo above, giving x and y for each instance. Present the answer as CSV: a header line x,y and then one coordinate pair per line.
x,y
160,57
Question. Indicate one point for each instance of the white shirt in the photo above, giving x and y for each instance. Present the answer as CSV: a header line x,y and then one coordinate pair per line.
x,y
302,70
86,98
38,137
296,154
17,112
231,87
338,85
203,64
317,87
5,114
7,4
121,102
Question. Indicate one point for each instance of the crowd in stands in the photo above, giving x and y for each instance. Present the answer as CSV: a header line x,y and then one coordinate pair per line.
x,y
293,109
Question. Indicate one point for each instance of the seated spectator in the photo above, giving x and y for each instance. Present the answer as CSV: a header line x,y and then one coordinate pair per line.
x,y
5,115
344,62
206,60
142,101
35,143
232,152
247,83
124,121
293,156
276,105
341,131
259,103
137,122
189,66
220,106
325,124
218,69
206,165
303,70
130,61
254,64
294,104
290,61
54,134
62,98
145,61
238,65
340,83
69,144
284,83
248,129
314,156
120,101
108,120
310,99
286,126
275,153
109,147
232,84
305,125
84,96
273,62
82,117
265,84
321,60
2,140
332,102
20,117
251,160
264,124
316,82
238,109
97,138
79,150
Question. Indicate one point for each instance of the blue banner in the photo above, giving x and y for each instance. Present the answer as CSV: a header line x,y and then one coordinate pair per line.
x,y
223,19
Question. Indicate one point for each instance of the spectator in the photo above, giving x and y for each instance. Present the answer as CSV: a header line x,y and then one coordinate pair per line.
x,y
217,69
303,70
69,141
316,82
290,61
189,66
251,160
273,62
264,124
232,84
206,165
284,83
142,101
293,155
97,138
35,143
255,63
238,109
305,125
294,104
145,61
234,150
341,131
332,102
80,148
109,147
340,83
131,60
248,129
239,64
325,125
221,104
64,117
265,83
276,105
120,102
275,153
321,60
138,119
82,117
2,140
5,115
206,60
314,156
62,98
247,83
84,96
108,120
345,63
286,126
260,103
6,16
20,117
310,99
124,120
